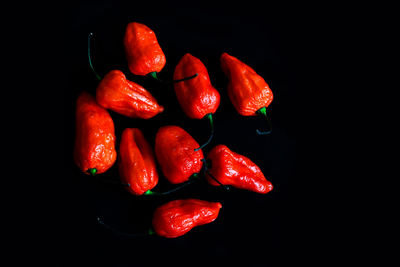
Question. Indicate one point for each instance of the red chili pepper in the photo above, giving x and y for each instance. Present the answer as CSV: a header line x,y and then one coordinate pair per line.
x,y
94,150
174,149
125,97
230,168
143,51
178,217
197,97
137,165
248,91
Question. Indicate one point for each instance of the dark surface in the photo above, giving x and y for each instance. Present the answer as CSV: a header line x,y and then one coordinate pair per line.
x,y
252,229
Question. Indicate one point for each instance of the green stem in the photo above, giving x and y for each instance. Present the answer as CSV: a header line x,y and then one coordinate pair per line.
x,y
90,58
185,79
210,118
112,229
205,171
190,181
92,171
154,76
263,111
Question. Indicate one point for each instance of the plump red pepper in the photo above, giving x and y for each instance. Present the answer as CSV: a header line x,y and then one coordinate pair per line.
x,y
137,165
178,217
230,168
130,99
174,149
247,90
143,51
197,96
94,150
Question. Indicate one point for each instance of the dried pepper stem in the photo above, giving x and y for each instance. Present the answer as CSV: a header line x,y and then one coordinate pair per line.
x,y
112,229
90,57
154,76
190,181
263,111
210,118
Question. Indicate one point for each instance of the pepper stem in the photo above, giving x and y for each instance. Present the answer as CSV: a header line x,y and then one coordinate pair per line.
x,y
185,79
190,181
90,58
92,171
263,111
210,118
205,171
226,187
149,232
154,76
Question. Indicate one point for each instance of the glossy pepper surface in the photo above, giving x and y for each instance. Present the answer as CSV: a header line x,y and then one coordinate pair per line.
x,y
234,169
94,150
247,90
142,49
178,217
196,96
174,149
125,97
137,164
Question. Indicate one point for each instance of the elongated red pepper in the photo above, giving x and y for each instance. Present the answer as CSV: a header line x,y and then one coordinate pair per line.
x,y
94,150
230,168
178,217
248,91
137,164
174,149
143,51
197,97
125,97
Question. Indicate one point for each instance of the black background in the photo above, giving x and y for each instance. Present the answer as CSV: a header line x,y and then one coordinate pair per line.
x,y
252,229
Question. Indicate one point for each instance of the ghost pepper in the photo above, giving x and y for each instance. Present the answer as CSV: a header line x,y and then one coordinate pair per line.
x,y
125,97
197,97
137,164
142,49
178,217
94,149
230,168
248,91
174,149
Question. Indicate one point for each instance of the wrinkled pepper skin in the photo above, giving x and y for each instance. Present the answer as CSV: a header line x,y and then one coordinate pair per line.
x,y
136,162
236,170
174,149
247,90
127,98
197,96
143,52
95,137
178,217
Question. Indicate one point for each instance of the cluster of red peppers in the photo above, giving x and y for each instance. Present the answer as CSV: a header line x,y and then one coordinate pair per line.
x,y
179,156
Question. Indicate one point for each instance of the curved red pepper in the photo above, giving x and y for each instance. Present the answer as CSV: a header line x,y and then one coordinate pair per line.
x,y
247,90
197,96
137,165
178,217
117,93
94,150
234,169
174,149
143,52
